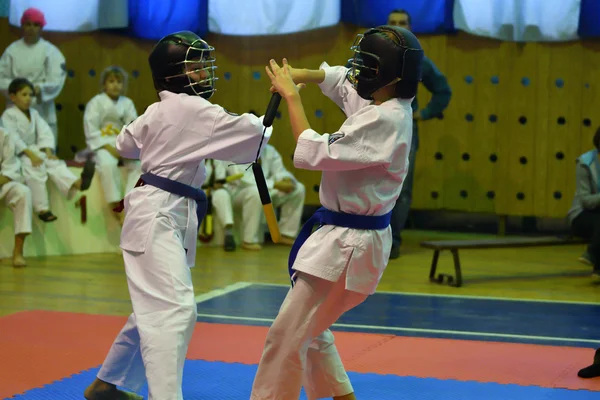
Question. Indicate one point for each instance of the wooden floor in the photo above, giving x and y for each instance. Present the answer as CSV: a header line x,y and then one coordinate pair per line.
x,y
96,283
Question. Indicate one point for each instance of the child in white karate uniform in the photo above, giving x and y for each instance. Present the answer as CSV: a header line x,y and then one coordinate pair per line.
x,y
172,139
104,117
40,62
219,201
363,166
35,146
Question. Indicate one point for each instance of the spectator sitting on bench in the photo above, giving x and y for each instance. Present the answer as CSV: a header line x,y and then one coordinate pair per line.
x,y
584,215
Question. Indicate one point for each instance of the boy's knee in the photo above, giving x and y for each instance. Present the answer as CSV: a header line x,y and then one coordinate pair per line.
x,y
21,193
300,190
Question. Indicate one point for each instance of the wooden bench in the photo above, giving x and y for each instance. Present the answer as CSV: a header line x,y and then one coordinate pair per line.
x,y
455,245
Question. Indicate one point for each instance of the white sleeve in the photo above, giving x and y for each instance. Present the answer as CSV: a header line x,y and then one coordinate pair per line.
x,y
130,111
91,125
5,71
127,146
364,140
10,165
56,74
45,136
9,122
340,90
236,138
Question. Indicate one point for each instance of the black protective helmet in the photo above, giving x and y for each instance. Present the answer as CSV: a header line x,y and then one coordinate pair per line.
x,y
168,61
384,55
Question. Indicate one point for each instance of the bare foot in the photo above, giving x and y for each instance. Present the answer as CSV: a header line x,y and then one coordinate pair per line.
x,y
251,246
18,261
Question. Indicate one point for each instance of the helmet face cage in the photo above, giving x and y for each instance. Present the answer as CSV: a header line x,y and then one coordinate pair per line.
x,y
364,65
199,53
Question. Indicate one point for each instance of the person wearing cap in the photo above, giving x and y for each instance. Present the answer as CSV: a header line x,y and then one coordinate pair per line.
x,y
38,61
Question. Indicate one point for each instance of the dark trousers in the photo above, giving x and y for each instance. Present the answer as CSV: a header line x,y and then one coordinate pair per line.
x,y
587,225
402,207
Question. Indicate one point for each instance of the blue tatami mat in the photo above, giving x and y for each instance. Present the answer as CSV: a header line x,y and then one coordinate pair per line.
x,y
218,380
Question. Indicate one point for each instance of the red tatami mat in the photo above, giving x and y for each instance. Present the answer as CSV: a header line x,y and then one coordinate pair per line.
x,y
38,347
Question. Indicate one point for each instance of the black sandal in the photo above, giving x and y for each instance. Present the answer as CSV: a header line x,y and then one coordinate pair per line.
x,y
87,174
47,216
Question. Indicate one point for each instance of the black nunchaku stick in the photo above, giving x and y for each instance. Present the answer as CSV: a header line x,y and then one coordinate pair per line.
x,y
261,183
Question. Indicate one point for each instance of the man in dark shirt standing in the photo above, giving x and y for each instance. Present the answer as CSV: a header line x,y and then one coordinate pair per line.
x,y
437,84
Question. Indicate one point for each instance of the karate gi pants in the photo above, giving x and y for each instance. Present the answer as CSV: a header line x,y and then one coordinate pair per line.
x,y
153,344
299,349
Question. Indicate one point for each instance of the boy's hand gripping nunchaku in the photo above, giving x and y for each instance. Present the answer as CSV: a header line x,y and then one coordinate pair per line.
x,y
261,183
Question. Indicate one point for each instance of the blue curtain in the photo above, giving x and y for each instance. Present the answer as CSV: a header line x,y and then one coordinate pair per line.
x,y
589,19
431,16
154,19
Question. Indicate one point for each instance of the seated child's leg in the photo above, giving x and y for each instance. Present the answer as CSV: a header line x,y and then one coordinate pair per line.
x,y
17,197
36,178
62,177
292,206
223,210
248,200
310,308
107,167
110,176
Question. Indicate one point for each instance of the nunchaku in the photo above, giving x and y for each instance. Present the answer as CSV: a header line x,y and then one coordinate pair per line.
x,y
206,230
259,176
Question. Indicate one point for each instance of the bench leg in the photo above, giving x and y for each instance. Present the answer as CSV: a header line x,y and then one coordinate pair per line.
x,y
457,270
448,279
434,261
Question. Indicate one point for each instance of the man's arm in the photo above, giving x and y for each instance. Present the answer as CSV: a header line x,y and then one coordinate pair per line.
x,y
437,84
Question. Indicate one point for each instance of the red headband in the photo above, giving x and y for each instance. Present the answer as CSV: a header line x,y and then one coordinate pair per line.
x,y
33,15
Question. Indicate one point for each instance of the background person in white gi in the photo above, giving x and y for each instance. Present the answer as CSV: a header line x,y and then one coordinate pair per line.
x,y
40,62
172,139
104,117
364,165
16,196
35,145
285,190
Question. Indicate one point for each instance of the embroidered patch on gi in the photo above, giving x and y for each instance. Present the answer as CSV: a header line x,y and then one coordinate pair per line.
x,y
334,137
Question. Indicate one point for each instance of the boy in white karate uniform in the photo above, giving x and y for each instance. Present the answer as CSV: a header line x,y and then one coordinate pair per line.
x,y
219,200
38,61
172,139
35,146
364,164
16,196
104,117
285,191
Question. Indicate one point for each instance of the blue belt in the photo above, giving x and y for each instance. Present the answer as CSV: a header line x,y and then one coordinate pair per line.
x,y
324,216
180,189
